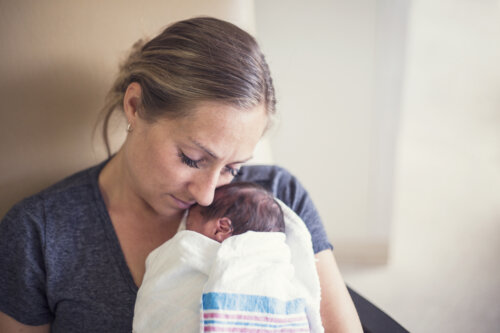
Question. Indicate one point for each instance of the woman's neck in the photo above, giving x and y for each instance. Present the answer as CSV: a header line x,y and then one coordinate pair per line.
x,y
121,198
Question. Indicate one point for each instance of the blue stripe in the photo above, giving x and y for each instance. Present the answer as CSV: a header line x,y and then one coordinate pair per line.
x,y
252,303
240,323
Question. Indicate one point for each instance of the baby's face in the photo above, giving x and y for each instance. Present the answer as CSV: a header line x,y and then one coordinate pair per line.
x,y
196,222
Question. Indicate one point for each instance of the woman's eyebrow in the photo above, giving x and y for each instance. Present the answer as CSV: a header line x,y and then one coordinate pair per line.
x,y
212,154
202,147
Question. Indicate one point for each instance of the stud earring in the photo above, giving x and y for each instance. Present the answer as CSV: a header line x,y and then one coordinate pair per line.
x,y
129,128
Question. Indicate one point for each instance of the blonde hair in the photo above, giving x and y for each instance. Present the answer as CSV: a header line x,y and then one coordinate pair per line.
x,y
194,60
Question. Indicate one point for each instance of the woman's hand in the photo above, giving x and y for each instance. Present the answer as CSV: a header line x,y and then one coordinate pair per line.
x,y
9,324
338,313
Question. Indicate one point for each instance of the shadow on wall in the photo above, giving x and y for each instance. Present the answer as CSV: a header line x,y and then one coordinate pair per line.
x,y
46,130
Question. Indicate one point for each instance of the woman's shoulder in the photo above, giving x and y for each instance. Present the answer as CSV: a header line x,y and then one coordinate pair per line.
x,y
71,184
67,192
275,179
264,174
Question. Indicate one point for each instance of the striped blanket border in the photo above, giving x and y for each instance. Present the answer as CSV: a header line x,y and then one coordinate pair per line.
x,y
229,312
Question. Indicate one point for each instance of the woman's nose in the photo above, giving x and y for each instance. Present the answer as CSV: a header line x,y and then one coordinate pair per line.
x,y
202,188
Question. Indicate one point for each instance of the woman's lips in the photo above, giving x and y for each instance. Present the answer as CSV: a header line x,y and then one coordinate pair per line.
x,y
183,204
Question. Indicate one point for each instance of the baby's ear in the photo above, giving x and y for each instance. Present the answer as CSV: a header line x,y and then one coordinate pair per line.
x,y
224,229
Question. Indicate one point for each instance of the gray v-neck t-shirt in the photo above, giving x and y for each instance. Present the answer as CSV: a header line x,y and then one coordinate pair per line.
x,y
61,261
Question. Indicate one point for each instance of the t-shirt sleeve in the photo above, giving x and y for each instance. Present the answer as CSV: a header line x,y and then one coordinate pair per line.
x,y
288,189
22,273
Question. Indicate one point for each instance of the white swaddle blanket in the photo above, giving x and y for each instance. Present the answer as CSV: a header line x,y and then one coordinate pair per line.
x,y
168,299
254,282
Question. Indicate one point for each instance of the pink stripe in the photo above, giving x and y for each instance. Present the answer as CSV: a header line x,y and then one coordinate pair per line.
x,y
219,315
254,330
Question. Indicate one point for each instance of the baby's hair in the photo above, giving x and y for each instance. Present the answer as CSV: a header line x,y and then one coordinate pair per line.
x,y
249,206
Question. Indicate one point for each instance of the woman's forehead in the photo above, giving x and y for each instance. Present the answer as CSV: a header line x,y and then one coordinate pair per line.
x,y
219,129
222,112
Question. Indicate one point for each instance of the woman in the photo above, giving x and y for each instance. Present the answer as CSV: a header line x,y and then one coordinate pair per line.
x,y
197,98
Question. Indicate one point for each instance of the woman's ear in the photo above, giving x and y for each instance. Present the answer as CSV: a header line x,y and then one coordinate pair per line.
x,y
132,102
224,229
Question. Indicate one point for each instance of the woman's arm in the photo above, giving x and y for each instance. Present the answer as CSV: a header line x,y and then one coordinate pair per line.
x,y
338,313
9,324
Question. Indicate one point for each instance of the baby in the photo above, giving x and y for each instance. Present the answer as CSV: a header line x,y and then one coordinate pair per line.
x,y
237,208
205,280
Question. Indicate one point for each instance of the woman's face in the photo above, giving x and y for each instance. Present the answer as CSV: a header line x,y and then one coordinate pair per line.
x,y
174,163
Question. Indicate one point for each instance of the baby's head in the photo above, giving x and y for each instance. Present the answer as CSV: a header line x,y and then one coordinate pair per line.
x,y
237,208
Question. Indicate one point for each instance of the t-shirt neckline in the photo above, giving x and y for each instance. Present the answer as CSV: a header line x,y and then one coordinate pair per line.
x,y
110,232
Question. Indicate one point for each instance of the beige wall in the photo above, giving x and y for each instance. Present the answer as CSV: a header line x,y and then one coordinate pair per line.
x,y
57,62
444,274
338,69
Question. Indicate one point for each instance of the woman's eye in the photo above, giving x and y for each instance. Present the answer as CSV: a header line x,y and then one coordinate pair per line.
x,y
188,161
